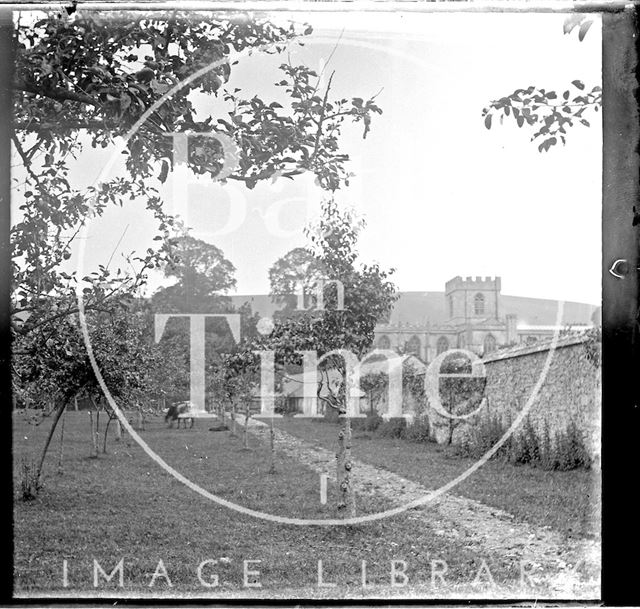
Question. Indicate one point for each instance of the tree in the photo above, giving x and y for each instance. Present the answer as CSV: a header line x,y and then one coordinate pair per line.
x,y
86,80
89,78
368,297
53,361
203,276
297,271
549,113
459,396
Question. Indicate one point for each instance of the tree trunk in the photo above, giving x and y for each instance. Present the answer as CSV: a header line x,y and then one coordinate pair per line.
x,y
347,500
233,419
118,430
245,441
272,446
75,403
106,431
61,455
48,441
450,420
94,433
140,420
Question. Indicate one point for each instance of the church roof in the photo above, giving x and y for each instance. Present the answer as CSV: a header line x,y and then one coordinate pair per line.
x,y
422,307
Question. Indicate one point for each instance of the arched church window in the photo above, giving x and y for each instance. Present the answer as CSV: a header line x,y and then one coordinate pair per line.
x,y
478,304
442,345
384,342
414,346
489,343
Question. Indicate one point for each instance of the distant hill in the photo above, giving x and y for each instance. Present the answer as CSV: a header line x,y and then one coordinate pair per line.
x,y
420,307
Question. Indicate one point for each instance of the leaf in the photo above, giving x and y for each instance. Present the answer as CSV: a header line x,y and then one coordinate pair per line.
x,y
578,83
164,172
125,102
487,121
584,28
571,22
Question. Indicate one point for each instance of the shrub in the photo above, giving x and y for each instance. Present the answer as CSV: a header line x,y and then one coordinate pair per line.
x,y
526,445
484,435
419,430
370,423
570,450
393,428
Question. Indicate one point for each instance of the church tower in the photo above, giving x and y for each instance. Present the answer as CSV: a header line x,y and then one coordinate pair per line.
x,y
472,300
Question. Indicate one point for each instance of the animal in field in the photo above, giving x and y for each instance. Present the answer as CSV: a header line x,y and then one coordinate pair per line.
x,y
179,412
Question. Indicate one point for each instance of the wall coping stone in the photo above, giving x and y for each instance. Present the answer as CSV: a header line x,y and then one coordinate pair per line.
x,y
519,350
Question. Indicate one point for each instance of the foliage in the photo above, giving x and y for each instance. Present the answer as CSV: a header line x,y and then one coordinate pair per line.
x,y
419,430
370,423
593,346
414,398
459,396
89,78
566,450
298,267
368,296
232,380
392,428
52,363
203,274
549,113
100,72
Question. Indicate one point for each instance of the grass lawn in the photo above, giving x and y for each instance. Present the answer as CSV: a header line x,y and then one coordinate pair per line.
x,y
123,506
565,501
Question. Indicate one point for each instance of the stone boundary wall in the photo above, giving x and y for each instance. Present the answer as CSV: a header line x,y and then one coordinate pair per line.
x,y
571,391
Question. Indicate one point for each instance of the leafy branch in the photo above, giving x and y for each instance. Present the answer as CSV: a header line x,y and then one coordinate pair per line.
x,y
547,112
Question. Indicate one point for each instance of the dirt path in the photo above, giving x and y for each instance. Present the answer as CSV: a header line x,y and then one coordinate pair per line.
x,y
550,558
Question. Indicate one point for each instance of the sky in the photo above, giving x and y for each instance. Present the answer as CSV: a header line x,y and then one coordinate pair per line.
x,y
442,195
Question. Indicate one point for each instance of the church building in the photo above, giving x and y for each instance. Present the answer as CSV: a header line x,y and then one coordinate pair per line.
x,y
472,317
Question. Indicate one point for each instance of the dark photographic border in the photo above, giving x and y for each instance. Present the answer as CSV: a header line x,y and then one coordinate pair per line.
x,y
621,310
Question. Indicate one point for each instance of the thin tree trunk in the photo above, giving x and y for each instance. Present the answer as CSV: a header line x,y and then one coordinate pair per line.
x,y
233,419
61,455
94,440
106,431
118,430
272,442
141,420
344,465
75,403
48,441
245,442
